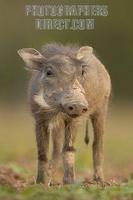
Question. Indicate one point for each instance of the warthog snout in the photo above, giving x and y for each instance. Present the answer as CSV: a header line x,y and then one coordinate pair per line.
x,y
75,109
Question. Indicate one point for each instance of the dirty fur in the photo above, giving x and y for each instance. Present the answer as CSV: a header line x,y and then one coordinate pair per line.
x,y
68,84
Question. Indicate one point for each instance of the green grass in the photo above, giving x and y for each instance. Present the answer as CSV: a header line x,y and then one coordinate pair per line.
x,y
71,192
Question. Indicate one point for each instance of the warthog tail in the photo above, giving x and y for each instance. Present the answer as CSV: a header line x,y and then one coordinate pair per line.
x,y
87,139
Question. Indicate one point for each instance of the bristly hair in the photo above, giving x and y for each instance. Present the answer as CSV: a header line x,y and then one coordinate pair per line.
x,y
52,49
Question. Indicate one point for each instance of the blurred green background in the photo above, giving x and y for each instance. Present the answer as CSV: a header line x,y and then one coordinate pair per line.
x,y
112,40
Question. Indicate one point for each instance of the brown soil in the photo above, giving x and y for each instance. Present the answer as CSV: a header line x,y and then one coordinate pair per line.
x,y
10,178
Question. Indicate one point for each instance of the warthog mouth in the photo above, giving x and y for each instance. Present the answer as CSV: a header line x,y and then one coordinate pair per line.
x,y
74,115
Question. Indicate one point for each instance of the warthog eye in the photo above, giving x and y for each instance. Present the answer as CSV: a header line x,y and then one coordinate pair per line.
x,y
49,73
83,72
83,69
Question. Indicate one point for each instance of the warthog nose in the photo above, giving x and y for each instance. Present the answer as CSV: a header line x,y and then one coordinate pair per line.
x,y
84,110
75,109
70,108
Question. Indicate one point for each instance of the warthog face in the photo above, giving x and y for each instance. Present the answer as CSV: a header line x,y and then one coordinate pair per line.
x,y
59,82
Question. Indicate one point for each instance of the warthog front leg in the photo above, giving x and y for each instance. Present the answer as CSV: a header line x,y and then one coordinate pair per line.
x,y
42,138
57,136
69,152
98,122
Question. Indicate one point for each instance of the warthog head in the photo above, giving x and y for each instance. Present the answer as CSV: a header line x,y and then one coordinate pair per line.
x,y
59,79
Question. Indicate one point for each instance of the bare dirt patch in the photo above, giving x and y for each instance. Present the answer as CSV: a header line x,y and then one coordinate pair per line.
x,y
10,178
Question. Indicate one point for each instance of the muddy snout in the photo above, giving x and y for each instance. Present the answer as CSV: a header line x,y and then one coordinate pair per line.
x,y
74,102
75,109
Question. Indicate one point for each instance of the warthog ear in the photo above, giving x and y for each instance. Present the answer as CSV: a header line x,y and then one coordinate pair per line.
x,y
85,53
32,58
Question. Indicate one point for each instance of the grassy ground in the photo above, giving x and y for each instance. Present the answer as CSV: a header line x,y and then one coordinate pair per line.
x,y
18,152
72,192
